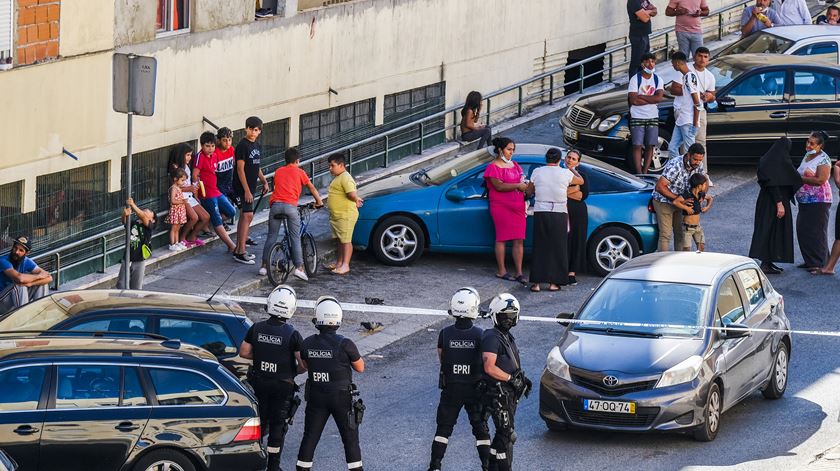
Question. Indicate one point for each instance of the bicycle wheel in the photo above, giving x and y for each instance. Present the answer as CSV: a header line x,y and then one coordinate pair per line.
x,y
310,254
279,265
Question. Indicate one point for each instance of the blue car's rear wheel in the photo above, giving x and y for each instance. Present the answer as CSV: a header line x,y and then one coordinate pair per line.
x,y
398,241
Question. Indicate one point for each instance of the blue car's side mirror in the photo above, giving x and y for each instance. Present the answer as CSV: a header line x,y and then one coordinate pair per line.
x,y
456,195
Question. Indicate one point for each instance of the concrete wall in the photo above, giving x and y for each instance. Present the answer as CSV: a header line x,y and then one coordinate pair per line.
x,y
278,68
215,14
86,26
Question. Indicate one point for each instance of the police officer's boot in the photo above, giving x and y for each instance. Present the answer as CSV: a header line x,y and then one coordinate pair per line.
x,y
273,462
484,456
435,465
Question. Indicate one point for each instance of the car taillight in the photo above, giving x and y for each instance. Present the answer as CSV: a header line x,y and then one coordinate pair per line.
x,y
250,431
651,209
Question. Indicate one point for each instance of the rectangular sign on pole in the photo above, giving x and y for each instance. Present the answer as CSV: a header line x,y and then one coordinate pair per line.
x,y
141,87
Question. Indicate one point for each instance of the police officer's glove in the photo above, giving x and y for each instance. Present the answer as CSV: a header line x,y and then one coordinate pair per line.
x,y
517,382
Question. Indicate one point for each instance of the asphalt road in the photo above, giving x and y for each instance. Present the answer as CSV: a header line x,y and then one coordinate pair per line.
x,y
400,384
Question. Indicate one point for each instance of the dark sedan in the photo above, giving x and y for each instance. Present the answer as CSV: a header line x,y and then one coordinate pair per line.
x,y
82,404
217,326
661,345
760,97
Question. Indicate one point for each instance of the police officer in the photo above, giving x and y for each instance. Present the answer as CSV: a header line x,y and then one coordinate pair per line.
x,y
274,345
504,379
330,359
459,350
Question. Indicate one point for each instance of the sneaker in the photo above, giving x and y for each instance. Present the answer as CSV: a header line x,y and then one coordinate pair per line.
x,y
175,247
300,274
572,281
263,271
241,258
249,256
186,244
198,243
250,242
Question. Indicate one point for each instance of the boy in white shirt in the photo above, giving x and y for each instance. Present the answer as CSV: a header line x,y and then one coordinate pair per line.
x,y
643,93
687,107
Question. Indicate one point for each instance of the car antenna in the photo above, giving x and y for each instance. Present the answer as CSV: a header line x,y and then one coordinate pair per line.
x,y
220,286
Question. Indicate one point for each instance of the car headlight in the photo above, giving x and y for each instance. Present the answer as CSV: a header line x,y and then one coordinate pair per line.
x,y
682,372
609,122
556,364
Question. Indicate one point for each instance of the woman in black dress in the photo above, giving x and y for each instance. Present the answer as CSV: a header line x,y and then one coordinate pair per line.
x,y
772,239
578,217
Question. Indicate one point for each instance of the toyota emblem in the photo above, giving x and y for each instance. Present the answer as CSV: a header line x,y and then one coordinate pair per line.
x,y
610,381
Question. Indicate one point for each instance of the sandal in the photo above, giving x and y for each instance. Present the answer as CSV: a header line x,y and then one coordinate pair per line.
x,y
329,266
521,280
535,288
506,276
340,273
555,288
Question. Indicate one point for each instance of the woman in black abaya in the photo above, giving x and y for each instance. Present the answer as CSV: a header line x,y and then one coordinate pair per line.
x,y
772,239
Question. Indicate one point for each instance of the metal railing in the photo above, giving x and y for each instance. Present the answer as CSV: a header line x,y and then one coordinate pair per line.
x,y
522,101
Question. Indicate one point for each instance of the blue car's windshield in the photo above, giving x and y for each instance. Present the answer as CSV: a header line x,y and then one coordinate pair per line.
x,y
645,302
451,169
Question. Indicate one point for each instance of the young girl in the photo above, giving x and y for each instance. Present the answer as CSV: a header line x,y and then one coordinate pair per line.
x,y
177,209
197,218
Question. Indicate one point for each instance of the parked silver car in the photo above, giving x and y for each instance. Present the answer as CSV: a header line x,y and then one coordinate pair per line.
x,y
682,374
819,42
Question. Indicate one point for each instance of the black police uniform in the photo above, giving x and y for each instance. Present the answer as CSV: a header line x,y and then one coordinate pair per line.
x,y
503,405
273,378
461,368
328,393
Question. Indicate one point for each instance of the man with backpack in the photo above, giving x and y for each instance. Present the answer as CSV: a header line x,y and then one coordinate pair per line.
x,y
643,93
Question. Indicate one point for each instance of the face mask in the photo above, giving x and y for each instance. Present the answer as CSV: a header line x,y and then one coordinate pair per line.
x,y
505,160
811,152
649,71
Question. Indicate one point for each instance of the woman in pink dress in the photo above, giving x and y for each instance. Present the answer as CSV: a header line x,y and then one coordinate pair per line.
x,y
506,189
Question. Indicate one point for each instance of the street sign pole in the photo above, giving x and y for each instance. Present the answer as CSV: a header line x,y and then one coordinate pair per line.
x,y
128,173
134,94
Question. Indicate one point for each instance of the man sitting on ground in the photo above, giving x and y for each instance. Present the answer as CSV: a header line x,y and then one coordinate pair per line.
x,y
21,279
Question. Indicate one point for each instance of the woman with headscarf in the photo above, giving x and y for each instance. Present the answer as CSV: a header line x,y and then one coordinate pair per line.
x,y
550,185
772,239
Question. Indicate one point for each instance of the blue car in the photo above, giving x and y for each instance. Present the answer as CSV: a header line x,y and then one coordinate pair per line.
x,y
445,209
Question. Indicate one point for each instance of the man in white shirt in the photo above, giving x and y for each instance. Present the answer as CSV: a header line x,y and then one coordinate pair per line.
x,y
707,95
792,12
643,93
687,107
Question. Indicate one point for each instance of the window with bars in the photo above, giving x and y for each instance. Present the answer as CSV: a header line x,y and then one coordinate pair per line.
x,y
74,203
413,104
172,15
334,122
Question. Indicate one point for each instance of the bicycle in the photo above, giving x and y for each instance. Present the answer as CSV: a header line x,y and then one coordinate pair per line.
x,y
280,263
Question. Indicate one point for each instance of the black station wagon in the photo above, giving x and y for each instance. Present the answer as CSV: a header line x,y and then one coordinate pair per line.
x,y
85,404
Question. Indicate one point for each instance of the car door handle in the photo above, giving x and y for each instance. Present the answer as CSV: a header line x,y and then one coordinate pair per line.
x,y
26,430
126,426
778,114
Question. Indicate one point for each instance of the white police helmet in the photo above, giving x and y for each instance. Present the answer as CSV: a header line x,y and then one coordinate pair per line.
x,y
328,312
504,310
465,303
282,302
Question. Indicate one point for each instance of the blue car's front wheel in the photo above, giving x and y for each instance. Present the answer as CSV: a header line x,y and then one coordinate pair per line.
x,y
398,241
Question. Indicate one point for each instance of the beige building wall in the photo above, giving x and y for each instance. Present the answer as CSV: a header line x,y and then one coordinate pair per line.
x,y
275,68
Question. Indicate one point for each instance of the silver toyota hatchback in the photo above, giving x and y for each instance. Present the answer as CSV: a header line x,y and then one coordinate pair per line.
x,y
670,348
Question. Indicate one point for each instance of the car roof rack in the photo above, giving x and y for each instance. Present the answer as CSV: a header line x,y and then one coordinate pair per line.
x,y
95,333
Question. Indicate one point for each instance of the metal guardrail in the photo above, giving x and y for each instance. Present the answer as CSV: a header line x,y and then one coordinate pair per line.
x,y
521,103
